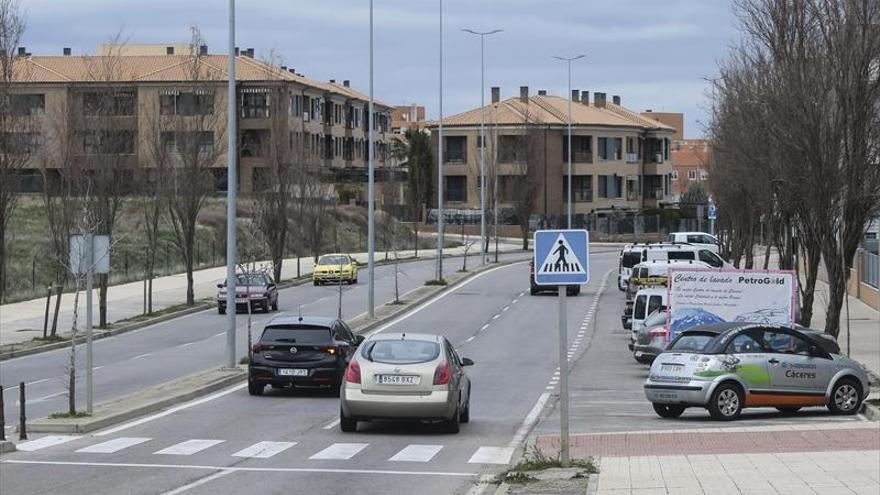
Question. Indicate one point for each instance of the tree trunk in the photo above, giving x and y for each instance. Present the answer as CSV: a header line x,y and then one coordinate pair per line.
x,y
276,267
2,261
102,300
59,289
190,295
416,230
524,230
808,293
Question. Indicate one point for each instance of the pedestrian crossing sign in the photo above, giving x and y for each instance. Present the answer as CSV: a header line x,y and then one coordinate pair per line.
x,y
562,257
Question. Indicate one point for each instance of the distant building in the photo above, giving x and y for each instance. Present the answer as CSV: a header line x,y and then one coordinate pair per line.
x,y
407,117
675,120
690,158
621,159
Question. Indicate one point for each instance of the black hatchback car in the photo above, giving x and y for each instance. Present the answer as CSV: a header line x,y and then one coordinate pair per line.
x,y
534,289
307,352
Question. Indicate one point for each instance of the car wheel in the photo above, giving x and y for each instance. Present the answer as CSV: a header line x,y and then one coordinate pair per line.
x,y
668,410
275,305
335,389
726,403
846,397
788,409
221,310
315,282
255,388
346,424
451,425
465,415
643,359
533,291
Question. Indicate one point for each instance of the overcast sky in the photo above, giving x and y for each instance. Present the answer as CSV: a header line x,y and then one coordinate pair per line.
x,y
653,53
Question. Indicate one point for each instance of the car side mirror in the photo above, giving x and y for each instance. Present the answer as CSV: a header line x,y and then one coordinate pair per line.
x,y
467,362
359,339
220,286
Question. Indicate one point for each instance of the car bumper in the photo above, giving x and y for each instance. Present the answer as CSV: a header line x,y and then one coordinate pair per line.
x,y
692,393
316,377
359,405
646,351
332,277
626,321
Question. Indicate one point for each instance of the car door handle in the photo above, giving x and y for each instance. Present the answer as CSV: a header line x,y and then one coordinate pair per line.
x,y
773,361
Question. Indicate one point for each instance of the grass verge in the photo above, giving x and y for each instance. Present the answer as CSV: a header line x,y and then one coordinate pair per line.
x,y
534,460
68,415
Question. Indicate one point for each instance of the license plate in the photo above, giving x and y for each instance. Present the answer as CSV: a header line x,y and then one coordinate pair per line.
x,y
671,367
240,301
292,372
398,379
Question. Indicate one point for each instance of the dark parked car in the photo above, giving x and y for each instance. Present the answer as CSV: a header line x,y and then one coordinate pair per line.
x,y
256,289
307,352
572,290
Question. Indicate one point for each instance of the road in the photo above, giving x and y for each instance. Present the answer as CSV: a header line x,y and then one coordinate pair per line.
x,y
165,351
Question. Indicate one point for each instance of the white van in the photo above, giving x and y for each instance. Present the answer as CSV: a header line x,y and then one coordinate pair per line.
x,y
646,302
630,255
685,252
700,239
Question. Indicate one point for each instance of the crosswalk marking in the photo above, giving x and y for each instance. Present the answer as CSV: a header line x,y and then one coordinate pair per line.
x,y
492,455
42,443
114,445
416,453
264,450
340,451
189,447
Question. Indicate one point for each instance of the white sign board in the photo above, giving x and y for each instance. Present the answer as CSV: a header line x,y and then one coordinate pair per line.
x,y
701,297
79,254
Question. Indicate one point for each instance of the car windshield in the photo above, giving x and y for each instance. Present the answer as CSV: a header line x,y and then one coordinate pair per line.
x,y
631,259
401,351
251,279
333,260
692,342
296,334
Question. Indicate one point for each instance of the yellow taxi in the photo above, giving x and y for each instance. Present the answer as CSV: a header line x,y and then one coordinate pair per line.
x,y
335,269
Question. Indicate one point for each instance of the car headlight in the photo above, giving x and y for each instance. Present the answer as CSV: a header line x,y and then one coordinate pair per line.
x,y
257,295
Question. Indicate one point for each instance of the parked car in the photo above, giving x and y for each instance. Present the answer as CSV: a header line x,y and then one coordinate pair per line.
x,y
256,289
301,352
649,341
726,367
700,239
534,289
647,301
335,269
405,376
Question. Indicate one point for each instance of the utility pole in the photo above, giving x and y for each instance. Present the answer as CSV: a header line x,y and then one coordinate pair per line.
x,y
440,162
569,60
371,192
231,186
482,35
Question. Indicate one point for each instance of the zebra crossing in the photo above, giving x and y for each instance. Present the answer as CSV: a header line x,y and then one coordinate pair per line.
x,y
342,451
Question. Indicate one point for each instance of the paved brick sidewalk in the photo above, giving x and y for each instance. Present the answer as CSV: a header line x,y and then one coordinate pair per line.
x,y
854,436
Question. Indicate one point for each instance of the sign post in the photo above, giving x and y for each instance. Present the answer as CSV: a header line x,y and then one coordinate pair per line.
x,y
712,214
562,259
89,254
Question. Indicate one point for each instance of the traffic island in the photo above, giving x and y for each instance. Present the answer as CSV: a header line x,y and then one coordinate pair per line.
x,y
143,402
539,473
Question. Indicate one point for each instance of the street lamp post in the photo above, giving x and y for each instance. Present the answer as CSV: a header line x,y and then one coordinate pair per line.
x,y
482,35
231,185
569,60
440,163
371,221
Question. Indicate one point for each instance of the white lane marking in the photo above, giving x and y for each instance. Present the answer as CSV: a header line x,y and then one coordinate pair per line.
x,y
556,373
529,421
264,450
96,368
548,387
28,384
440,296
143,355
332,424
239,469
505,308
416,453
340,451
44,442
492,455
189,447
495,317
187,344
218,334
173,410
114,445
514,301
199,482
50,396
484,327
469,339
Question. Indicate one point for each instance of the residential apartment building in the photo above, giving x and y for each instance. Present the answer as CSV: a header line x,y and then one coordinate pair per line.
x,y
123,100
620,159
690,158
405,117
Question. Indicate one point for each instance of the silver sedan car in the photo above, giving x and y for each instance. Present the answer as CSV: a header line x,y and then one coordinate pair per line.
x,y
406,376
726,367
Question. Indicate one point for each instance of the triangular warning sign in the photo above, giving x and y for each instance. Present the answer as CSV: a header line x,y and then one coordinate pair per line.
x,y
561,260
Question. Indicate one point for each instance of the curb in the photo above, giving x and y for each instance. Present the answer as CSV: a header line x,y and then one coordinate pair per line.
x,y
86,425
870,411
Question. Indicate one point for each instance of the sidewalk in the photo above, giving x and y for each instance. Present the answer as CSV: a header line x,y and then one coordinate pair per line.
x,y
864,328
22,321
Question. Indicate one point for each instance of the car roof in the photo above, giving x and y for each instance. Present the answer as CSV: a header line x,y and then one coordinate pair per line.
x,y
694,233
652,291
333,254
288,319
817,337
425,337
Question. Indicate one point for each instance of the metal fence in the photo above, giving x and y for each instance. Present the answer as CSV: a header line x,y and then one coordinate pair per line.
x,y
869,269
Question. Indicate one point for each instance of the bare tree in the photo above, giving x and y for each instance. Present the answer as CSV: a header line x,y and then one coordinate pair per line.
x,y
191,140
15,138
521,187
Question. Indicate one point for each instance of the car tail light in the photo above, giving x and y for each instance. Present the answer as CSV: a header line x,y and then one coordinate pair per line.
x,y
330,349
260,347
441,374
657,332
353,372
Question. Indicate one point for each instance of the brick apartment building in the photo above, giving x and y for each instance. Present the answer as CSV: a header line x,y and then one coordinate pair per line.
x,y
691,159
621,159
325,123
405,117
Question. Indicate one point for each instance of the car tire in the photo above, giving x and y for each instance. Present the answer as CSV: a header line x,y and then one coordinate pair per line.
x,y
452,425
788,409
346,424
668,410
335,389
846,397
465,415
726,402
643,359
275,305
221,310
255,388
533,291
315,282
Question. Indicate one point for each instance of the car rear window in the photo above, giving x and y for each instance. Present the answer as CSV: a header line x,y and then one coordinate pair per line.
x,y
680,255
631,259
401,351
296,334
692,342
